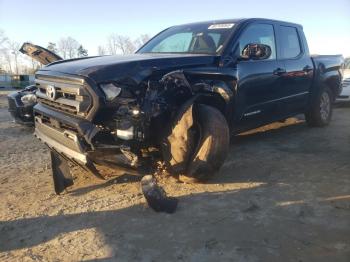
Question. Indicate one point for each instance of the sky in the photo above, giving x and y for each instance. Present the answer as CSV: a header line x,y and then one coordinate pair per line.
x,y
326,23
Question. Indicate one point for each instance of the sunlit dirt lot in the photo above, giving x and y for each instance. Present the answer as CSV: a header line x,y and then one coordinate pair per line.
x,y
282,195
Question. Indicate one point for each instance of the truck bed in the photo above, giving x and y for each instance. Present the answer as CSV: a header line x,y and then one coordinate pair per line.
x,y
329,69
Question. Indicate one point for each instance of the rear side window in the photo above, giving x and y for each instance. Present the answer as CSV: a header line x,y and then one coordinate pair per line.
x,y
259,34
290,44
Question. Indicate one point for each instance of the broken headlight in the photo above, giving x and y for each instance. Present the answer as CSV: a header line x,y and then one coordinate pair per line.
x,y
28,99
111,91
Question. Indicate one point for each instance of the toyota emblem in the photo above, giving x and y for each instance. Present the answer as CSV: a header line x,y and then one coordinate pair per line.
x,y
51,92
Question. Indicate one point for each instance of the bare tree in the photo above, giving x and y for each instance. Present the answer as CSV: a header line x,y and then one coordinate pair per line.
x,y
120,44
5,54
112,44
68,47
141,40
35,65
3,38
13,48
101,50
52,47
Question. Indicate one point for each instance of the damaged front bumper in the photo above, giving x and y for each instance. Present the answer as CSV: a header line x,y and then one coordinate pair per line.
x,y
65,134
83,142
65,142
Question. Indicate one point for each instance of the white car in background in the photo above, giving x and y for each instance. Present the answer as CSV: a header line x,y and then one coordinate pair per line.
x,y
345,94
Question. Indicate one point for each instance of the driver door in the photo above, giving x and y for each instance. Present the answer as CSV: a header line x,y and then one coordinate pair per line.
x,y
259,81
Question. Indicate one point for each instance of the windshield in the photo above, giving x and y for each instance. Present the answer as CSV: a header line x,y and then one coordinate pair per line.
x,y
193,39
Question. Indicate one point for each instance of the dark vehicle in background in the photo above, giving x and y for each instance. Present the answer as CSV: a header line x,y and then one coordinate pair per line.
x,y
21,103
181,97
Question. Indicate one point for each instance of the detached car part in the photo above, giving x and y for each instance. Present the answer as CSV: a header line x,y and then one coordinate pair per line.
x,y
156,197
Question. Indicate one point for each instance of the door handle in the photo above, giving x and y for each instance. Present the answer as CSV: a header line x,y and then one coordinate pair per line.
x,y
308,68
279,71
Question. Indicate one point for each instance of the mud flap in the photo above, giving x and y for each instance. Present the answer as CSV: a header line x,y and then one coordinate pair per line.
x,y
62,177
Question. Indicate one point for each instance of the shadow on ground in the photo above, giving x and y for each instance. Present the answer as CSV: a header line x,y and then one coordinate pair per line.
x,y
290,202
221,225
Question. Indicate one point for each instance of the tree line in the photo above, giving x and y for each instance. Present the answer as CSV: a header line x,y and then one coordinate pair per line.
x,y
14,62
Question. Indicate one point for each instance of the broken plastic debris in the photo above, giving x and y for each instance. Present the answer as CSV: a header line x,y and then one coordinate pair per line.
x,y
156,196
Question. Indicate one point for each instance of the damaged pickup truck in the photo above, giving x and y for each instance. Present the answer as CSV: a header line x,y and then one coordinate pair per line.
x,y
181,97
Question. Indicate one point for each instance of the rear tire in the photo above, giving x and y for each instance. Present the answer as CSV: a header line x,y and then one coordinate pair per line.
x,y
321,109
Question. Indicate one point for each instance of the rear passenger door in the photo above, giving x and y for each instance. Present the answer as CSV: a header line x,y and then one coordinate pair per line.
x,y
297,79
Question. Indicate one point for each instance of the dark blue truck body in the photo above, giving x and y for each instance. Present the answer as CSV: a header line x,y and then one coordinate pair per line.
x,y
248,92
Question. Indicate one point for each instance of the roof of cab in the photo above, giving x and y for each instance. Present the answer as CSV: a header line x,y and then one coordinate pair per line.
x,y
241,20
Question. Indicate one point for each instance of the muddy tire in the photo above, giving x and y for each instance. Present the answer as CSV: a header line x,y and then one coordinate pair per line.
x,y
202,148
321,109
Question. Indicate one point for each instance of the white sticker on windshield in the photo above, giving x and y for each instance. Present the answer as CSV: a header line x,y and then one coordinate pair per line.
x,y
221,26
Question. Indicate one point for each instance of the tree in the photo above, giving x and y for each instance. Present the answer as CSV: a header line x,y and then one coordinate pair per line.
x,y
52,47
120,44
2,71
68,47
14,47
82,52
35,65
101,50
141,40
5,54
3,38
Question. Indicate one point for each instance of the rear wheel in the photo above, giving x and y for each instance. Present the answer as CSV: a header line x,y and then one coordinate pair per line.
x,y
321,109
203,148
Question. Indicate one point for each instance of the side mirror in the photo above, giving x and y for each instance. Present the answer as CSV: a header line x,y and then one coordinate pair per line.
x,y
256,52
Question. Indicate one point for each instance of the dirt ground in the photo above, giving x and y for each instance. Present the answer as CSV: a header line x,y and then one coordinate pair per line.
x,y
282,195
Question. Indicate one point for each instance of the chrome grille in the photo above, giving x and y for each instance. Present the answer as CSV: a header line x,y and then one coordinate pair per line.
x,y
70,94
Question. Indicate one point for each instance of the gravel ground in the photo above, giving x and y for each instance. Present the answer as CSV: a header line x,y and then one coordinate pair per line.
x,y
282,195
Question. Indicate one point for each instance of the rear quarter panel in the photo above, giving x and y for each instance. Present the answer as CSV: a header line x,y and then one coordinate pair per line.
x,y
328,71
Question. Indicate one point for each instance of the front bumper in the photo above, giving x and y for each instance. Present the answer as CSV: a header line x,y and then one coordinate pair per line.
x,y
65,142
73,140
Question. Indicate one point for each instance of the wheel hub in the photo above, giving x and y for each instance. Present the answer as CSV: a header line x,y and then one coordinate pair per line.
x,y
325,106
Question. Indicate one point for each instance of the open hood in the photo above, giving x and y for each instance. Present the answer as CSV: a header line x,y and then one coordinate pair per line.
x,y
39,53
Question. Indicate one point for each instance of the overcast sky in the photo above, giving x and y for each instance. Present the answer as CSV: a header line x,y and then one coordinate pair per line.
x,y
326,23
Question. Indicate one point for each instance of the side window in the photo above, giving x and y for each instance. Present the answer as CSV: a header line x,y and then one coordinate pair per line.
x,y
259,34
290,44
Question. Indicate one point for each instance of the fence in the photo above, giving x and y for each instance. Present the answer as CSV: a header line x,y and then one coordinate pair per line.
x,y
16,81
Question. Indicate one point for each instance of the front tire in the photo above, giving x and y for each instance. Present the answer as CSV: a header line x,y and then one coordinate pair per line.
x,y
198,144
212,146
321,109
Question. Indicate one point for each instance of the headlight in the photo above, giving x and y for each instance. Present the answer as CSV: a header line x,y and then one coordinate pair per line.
x,y
127,134
28,99
111,91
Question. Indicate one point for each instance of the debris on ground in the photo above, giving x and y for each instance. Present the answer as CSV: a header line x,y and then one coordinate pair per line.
x,y
156,196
